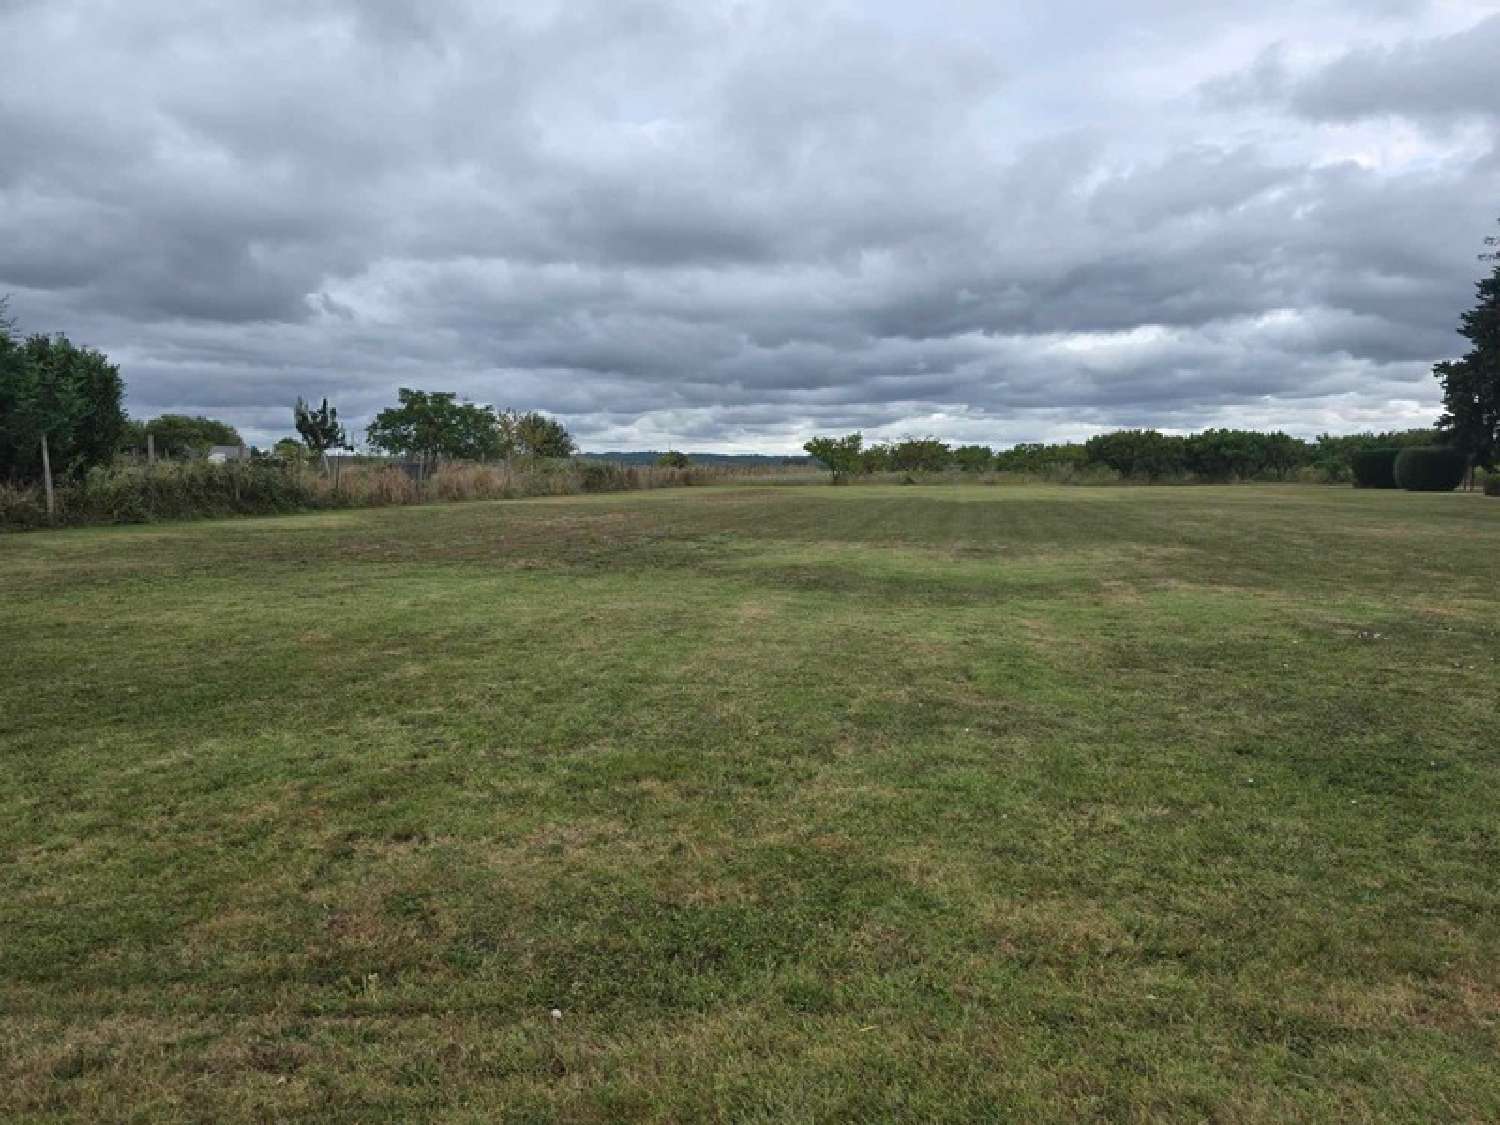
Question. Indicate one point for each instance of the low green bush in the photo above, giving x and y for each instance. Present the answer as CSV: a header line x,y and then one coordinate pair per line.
x,y
1430,468
1492,485
1374,468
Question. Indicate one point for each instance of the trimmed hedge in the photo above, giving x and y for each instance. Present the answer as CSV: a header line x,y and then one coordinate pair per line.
x,y
1430,468
1492,485
1374,468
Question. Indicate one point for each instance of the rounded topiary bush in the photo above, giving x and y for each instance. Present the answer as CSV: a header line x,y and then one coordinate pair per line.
x,y
1430,468
1374,468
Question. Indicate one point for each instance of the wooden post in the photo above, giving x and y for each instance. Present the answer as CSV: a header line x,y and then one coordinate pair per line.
x,y
47,478
150,448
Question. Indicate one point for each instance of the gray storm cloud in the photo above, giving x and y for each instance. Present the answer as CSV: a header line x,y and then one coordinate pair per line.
x,y
727,225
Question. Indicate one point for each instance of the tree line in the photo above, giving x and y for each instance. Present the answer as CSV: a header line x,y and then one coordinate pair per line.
x,y
1213,455
1467,434
62,414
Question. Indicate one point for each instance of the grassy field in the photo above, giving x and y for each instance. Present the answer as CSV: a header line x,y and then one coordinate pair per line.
x,y
799,804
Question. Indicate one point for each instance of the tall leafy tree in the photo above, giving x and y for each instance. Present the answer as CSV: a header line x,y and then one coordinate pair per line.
x,y
1138,453
841,456
1471,385
60,406
974,458
320,428
876,458
1282,454
15,385
430,426
921,455
533,434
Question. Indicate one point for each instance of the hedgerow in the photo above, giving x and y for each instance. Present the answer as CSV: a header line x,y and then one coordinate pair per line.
x,y
1430,468
201,489
1374,468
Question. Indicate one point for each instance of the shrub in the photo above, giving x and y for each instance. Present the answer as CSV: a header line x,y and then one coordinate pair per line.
x,y
1492,486
22,506
1430,468
1374,468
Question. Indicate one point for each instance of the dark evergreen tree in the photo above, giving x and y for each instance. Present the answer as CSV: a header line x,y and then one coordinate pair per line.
x,y
1471,385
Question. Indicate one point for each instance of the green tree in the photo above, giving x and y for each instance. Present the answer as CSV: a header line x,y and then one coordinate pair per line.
x,y
974,458
921,455
1471,414
320,429
98,392
841,456
182,436
533,434
60,406
15,392
876,458
672,459
1471,385
430,426
291,450
1224,455
133,436
1038,457
1138,453
1282,454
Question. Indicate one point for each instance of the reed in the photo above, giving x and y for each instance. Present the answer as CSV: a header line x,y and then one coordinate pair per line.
x,y
200,490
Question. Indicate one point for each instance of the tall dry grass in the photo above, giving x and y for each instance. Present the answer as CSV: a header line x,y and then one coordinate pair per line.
x,y
143,494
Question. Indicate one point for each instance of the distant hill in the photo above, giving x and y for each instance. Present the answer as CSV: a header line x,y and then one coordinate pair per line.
x,y
650,456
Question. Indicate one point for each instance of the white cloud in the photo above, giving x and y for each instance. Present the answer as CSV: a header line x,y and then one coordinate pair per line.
x,y
727,224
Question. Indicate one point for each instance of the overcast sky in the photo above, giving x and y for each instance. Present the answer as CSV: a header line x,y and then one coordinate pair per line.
x,y
728,224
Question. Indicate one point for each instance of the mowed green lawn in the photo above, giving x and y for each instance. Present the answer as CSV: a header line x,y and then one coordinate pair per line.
x,y
798,803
